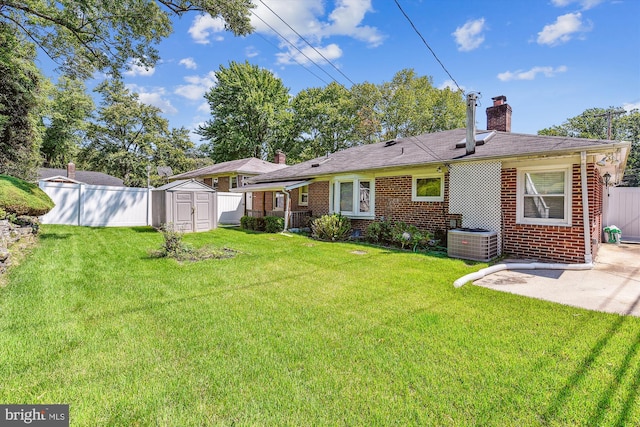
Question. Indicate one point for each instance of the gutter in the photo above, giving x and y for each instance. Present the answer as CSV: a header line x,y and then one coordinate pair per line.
x,y
518,266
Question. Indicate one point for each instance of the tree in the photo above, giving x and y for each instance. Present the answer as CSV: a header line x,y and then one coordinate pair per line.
x,y
600,123
128,136
71,107
410,105
325,120
88,35
22,98
250,114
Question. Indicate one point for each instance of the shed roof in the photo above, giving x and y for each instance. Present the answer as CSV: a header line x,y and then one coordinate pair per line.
x,y
185,185
439,148
249,166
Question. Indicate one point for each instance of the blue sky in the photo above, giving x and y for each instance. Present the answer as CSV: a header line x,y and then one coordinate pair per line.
x,y
552,59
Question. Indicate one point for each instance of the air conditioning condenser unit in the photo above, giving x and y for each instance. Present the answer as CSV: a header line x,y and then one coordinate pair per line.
x,y
472,243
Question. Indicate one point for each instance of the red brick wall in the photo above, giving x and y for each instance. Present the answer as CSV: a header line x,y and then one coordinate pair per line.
x,y
318,198
549,243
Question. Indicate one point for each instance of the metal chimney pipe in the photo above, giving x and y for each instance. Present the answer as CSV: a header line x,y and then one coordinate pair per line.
x,y
471,123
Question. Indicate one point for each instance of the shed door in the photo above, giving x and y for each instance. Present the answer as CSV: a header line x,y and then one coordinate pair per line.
x,y
184,211
203,214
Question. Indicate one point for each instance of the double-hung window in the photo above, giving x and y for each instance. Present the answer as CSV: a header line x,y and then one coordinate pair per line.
x,y
278,201
303,196
354,196
233,182
544,196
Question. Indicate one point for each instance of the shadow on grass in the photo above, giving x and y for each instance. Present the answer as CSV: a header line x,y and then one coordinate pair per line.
x,y
585,365
54,236
144,229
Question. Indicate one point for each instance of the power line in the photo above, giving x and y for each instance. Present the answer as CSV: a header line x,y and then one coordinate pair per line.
x,y
297,62
309,44
295,47
428,47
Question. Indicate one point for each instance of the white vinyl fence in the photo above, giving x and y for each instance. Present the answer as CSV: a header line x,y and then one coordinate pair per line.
x,y
622,209
230,207
97,205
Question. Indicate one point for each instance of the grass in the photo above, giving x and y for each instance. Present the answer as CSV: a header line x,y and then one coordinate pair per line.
x,y
297,332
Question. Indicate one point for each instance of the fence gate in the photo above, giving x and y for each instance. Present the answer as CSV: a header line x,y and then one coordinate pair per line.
x,y
622,209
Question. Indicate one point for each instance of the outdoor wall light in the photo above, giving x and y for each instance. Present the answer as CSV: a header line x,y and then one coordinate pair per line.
x,y
606,178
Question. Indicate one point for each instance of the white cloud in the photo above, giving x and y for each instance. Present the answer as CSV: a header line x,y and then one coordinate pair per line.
x,y
204,108
531,74
135,69
451,85
308,19
204,26
563,30
330,52
469,36
153,96
251,52
189,63
628,106
197,86
585,4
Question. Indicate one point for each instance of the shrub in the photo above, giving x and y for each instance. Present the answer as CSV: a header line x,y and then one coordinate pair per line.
x,y
273,224
379,232
247,222
173,246
23,198
331,227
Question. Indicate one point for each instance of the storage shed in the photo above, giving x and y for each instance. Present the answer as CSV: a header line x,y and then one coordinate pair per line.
x,y
187,204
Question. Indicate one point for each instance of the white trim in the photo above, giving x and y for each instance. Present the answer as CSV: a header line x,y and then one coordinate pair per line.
x,y
568,179
334,196
300,193
414,188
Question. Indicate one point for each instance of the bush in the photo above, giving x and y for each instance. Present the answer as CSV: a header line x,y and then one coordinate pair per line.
x,y
173,246
270,224
273,224
23,198
331,227
379,232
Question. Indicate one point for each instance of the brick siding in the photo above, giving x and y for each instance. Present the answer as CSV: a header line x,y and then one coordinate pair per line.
x,y
551,243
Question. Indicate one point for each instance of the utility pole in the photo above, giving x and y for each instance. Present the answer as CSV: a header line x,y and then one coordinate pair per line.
x,y
609,115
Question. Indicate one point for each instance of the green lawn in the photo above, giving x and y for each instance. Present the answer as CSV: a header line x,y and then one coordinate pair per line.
x,y
297,332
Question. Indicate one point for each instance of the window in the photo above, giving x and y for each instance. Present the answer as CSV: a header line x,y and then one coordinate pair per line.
x,y
544,196
215,183
303,196
353,197
234,182
427,188
278,201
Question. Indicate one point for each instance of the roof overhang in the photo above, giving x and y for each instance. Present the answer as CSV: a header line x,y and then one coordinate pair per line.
x,y
271,186
60,178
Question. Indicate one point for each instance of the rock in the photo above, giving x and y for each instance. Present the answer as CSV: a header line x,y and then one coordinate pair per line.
x,y
4,254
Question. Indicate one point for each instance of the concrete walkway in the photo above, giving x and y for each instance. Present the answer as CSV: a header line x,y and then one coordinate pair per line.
x,y
613,285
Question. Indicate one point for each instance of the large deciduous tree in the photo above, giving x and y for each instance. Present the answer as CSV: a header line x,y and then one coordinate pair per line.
x,y
611,123
128,136
70,109
22,100
87,35
250,114
325,119
411,105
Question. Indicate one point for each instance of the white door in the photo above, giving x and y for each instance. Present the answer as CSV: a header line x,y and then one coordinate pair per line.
x,y
203,211
184,211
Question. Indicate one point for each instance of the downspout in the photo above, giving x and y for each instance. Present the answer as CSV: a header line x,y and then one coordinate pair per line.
x,y
588,258
540,265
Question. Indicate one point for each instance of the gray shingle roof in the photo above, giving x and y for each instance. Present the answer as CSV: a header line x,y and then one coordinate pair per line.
x,y
87,177
249,166
434,148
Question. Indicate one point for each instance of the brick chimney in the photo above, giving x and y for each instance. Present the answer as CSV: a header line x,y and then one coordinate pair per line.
x,y
71,171
499,115
280,158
